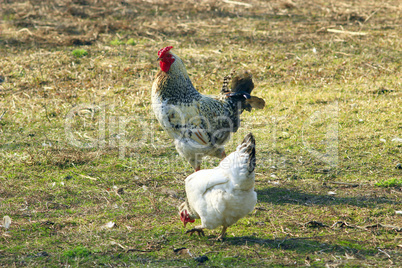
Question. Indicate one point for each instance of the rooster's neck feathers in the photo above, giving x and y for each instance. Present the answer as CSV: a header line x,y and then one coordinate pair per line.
x,y
175,85
177,68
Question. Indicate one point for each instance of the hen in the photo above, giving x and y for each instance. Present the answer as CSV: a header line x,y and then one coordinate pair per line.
x,y
200,125
223,195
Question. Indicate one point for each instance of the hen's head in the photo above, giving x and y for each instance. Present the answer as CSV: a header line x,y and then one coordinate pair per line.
x,y
185,217
166,59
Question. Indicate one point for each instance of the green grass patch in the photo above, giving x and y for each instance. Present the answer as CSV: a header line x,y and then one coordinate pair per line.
x,y
79,53
116,42
77,252
131,42
394,182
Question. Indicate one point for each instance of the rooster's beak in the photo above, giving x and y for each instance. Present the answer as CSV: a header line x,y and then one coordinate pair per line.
x,y
184,224
158,59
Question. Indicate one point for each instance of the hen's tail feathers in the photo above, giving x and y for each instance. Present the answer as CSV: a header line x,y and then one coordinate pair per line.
x,y
241,87
248,145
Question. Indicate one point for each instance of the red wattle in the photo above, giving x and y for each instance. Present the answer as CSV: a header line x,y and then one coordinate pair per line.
x,y
164,66
166,63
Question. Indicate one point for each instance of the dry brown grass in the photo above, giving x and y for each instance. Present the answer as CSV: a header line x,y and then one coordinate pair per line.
x,y
306,56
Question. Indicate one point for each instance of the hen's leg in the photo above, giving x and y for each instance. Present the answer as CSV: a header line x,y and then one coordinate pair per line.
x,y
223,234
197,229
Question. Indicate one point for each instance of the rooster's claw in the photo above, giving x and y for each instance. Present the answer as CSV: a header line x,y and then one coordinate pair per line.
x,y
199,231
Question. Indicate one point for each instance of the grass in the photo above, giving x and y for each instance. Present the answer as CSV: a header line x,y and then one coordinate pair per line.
x,y
79,53
80,146
390,183
116,42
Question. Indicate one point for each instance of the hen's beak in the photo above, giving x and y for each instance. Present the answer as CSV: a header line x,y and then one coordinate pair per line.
x,y
184,223
158,59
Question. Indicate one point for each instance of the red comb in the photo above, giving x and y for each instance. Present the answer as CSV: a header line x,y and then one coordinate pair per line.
x,y
163,51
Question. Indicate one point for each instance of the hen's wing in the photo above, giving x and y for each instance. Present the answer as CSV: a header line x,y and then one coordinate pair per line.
x,y
202,182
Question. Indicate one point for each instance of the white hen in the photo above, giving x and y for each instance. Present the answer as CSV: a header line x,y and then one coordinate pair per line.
x,y
223,195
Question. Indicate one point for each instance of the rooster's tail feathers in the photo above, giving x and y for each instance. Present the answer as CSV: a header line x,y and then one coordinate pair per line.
x,y
255,102
242,83
233,83
225,84
241,87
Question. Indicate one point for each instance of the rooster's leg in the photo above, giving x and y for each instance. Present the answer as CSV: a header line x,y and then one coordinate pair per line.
x,y
223,234
196,229
196,162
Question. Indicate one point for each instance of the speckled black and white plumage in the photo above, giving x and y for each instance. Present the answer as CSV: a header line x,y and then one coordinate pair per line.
x,y
200,125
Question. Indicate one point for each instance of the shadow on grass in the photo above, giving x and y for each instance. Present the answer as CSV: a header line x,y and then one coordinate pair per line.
x,y
303,245
278,195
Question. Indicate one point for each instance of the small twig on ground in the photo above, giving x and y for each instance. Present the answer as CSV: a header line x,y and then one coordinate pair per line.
x,y
209,252
345,224
282,241
25,30
344,183
106,200
369,17
382,251
139,250
47,116
86,177
341,224
153,202
345,32
377,66
1,116
117,244
343,53
258,255
237,3
378,225
4,236
396,228
315,224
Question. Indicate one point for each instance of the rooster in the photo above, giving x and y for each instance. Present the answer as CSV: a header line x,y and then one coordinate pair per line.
x,y
200,125
223,195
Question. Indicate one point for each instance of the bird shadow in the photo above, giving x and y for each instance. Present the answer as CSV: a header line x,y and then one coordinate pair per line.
x,y
301,245
281,195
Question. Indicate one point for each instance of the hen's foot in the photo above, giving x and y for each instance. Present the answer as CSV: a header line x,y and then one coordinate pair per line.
x,y
222,236
199,231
